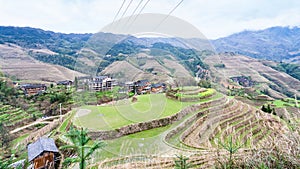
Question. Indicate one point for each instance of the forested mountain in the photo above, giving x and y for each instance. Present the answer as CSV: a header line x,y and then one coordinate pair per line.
x,y
276,43
93,53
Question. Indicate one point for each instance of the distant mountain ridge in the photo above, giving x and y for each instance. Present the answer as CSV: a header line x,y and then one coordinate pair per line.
x,y
93,53
276,43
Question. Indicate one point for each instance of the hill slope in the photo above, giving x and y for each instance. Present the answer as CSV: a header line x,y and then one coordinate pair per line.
x,y
16,62
276,43
277,83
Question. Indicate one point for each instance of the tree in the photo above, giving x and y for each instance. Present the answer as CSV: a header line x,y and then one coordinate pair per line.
x,y
80,143
5,164
76,82
5,137
204,83
232,147
263,108
181,162
269,110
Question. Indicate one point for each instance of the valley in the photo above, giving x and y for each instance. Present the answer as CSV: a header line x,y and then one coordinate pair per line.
x,y
148,102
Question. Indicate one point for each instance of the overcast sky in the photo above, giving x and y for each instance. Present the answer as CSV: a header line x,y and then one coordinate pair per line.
x,y
214,18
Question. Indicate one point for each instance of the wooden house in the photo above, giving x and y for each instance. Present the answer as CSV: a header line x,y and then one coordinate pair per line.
x,y
65,83
142,86
42,154
158,87
33,89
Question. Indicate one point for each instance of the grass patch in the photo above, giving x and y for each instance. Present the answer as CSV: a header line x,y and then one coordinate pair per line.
x,y
124,112
63,126
281,103
17,140
145,142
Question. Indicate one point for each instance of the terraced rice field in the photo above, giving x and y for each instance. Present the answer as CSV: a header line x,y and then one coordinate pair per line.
x,y
197,134
125,112
11,115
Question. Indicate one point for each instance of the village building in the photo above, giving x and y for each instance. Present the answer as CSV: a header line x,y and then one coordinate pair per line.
x,y
97,83
33,89
43,154
65,83
158,88
101,83
142,86
130,86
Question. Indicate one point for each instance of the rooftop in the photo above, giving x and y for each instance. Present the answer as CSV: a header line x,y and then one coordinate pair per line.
x,y
41,145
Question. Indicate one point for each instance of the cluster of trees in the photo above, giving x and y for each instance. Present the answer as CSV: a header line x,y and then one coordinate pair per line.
x,y
291,69
38,38
205,83
189,58
60,59
8,93
235,91
80,143
5,137
268,109
219,65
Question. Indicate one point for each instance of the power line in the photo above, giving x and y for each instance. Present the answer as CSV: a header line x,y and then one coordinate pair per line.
x,y
124,12
129,19
168,15
136,16
118,12
135,9
126,9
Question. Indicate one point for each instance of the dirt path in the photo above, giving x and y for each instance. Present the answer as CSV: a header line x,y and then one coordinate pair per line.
x,y
39,121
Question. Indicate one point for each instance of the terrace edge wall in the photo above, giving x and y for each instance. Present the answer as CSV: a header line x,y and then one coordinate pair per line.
x,y
138,127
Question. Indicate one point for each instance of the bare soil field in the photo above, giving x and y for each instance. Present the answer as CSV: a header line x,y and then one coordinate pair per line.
x,y
16,62
239,65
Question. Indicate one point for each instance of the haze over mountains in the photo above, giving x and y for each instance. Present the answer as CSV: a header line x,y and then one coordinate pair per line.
x,y
276,43
158,59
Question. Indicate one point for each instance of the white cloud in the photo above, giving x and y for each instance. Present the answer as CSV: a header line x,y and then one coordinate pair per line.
x,y
215,18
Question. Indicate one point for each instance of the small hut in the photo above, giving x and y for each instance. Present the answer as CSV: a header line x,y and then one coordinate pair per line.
x,y
42,153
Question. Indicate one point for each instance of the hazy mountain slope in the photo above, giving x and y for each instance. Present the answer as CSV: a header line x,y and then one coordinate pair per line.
x,y
160,59
153,68
16,62
278,83
276,43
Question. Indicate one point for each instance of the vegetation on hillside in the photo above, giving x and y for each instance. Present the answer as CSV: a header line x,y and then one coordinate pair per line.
x,y
290,69
189,58
81,143
276,43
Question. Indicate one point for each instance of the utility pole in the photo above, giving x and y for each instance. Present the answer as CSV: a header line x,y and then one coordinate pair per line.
x,y
296,101
60,112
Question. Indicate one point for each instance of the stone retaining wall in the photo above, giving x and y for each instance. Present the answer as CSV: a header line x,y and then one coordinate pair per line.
x,y
193,118
137,127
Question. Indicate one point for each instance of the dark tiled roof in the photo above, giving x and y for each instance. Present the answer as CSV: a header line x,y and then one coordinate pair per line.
x,y
29,86
41,145
142,82
158,85
65,82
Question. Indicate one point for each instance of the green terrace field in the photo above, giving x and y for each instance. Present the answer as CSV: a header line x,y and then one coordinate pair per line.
x,y
197,133
125,112
285,103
